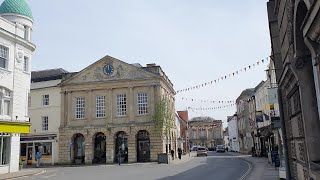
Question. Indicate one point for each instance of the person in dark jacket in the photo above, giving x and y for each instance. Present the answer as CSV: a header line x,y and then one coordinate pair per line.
x,y
172,154
179,152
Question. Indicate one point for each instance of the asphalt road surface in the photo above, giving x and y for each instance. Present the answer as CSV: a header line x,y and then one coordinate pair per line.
x,y
219,166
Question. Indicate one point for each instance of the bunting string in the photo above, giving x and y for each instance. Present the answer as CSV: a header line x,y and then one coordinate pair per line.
x,y
230,75
211,108
207,101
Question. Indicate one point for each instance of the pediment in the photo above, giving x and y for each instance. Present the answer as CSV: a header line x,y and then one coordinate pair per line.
x,y
120,71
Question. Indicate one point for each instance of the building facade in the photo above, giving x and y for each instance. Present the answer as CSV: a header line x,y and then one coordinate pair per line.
x,y
16,49
44,112
226,138
243,117
205,131
295,39
184,129
106,113
233,133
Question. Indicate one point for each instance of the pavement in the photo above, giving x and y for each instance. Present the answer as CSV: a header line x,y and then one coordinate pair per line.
x,y
184,158
22,173
260,168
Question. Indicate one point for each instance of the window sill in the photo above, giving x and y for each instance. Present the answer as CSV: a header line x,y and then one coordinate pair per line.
x,y
139,115
4,69
121,116
99,118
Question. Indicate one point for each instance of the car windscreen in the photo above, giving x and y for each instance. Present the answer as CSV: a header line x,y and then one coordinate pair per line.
x,y
201,149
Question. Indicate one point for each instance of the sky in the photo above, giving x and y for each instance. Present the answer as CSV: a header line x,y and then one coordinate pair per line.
x,y
193,41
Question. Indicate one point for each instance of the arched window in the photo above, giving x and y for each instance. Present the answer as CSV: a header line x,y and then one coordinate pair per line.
x,y
5,102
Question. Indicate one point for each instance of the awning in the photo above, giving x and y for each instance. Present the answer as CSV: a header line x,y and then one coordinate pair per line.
x,y
15,127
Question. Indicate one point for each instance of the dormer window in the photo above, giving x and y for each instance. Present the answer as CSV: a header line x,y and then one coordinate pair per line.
x,y
3,57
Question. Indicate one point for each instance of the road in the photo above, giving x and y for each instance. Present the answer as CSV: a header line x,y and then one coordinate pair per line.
x,y
220,166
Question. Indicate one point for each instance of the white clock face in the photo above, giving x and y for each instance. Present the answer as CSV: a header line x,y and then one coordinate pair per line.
x,y
108,69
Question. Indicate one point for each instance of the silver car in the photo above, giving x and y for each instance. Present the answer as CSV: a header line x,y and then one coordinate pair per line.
x,y
220,148
202,151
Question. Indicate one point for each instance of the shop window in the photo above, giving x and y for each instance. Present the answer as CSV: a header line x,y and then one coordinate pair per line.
x,y
4,150
23,149
47,148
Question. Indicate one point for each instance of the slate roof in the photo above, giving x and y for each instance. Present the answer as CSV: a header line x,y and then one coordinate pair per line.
x,y
47,75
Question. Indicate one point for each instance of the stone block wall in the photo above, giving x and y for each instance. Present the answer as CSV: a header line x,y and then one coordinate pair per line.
x,y
67,134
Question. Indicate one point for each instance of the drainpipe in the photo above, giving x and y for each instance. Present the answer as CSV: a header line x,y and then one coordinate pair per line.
x,y
284,136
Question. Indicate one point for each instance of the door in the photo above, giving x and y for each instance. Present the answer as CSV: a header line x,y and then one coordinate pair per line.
x,y
144,151
29,155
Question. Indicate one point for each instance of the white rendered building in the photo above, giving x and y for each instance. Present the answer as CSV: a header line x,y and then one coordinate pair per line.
x,y
233,133
44,112
15,72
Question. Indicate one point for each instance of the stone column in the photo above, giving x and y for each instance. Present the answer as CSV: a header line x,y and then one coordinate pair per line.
x,y
63,111
131,104
109,103
90,107
152,100
64,146
88,147
110,149
70,113
132,150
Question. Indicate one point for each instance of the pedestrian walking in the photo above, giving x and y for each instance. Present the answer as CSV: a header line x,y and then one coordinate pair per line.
x,y
179,153
172,154
38,158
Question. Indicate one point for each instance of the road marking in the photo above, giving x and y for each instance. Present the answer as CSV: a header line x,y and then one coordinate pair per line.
x,y
249,170
48,176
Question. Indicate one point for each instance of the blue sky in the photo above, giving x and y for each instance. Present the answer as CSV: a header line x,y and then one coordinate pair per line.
x,y
193,41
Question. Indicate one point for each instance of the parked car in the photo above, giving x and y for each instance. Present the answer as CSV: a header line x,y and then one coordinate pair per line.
x,y
202,151
220,148
194,148
212,148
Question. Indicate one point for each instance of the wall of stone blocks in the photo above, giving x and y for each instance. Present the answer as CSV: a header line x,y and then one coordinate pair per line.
x,y
157,144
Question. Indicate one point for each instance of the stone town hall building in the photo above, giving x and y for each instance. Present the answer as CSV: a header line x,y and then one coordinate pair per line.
x,y
108,107
295,38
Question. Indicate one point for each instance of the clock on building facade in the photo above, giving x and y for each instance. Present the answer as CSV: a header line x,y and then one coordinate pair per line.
x,y
108,69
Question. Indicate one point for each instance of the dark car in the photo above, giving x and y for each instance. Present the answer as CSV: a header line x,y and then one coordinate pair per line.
x,y
212,148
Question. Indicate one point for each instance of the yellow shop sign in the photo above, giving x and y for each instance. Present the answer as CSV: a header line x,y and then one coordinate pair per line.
x,y
14,127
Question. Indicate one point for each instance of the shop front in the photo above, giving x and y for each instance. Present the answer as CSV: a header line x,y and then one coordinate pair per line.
x,y
9,144
31,144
